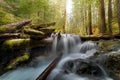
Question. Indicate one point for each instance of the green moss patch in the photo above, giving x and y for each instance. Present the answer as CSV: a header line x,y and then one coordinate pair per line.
x,y
15,43
18,60
31,31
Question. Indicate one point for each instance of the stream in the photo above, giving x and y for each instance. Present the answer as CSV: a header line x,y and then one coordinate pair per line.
x,y
76,63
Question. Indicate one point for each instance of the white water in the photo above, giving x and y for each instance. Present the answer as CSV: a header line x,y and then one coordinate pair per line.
x,y
73,50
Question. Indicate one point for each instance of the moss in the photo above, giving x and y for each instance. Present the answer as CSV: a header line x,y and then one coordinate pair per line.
x,y
2,29
106,45
15,43
18,60
31,31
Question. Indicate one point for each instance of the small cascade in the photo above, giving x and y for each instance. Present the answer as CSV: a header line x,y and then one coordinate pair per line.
x,y
76,63
64,43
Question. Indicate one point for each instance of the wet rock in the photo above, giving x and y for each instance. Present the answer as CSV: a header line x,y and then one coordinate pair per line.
x,y
83,67
86,46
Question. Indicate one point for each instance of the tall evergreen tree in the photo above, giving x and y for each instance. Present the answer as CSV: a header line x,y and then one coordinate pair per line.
x,y
110,16
102,22
118,13
89,19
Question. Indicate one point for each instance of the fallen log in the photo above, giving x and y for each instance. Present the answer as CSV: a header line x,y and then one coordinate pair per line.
x,y
35,34
38,34
47,71
9,35
6,36
9,28
16,44
31,31
43,25
47,31
104,37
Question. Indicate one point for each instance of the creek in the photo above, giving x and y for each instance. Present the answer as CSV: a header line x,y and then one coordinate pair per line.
x,y
77,62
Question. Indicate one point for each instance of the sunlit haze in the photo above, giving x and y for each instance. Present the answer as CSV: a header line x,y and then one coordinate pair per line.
x,y
69,6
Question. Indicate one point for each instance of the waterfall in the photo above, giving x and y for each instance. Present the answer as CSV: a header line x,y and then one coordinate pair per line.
x,y
76,63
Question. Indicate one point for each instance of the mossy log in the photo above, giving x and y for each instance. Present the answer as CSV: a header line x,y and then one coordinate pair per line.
x,y
9,35
34,34
43,25
31,31
38,34
23,43
9,28
47,30
6,36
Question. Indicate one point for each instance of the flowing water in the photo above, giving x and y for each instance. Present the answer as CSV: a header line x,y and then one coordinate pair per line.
x,y
76,63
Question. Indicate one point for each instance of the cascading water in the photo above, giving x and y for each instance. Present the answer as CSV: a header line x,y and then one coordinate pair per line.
x,y
76,63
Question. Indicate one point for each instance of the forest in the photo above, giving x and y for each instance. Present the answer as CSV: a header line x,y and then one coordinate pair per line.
x,y
59,39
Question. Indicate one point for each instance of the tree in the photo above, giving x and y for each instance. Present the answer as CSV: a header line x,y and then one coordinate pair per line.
x,y
102,21
110,16
118,13
89,19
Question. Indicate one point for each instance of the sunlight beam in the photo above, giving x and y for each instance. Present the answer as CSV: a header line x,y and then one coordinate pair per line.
x,y
69,6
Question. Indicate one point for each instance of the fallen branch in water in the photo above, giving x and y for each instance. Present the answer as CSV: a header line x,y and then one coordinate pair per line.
x,y
47,71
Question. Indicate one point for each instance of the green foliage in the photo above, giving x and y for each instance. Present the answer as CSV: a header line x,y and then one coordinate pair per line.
x,y
2,29
6,17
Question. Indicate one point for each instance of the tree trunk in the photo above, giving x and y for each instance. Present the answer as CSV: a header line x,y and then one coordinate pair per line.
x,y
102,17
110,17
85,22
10,28
64,23
118,12
89,20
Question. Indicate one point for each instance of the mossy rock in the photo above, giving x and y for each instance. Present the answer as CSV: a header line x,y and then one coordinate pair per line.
x,y
108,46
114,61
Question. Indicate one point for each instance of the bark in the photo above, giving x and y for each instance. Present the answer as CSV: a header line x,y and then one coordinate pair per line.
x,y
6,36
96,38
43,25
9,35
47,31
85,21
64,22
9,28
110,17
102,17
118,13
89,20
